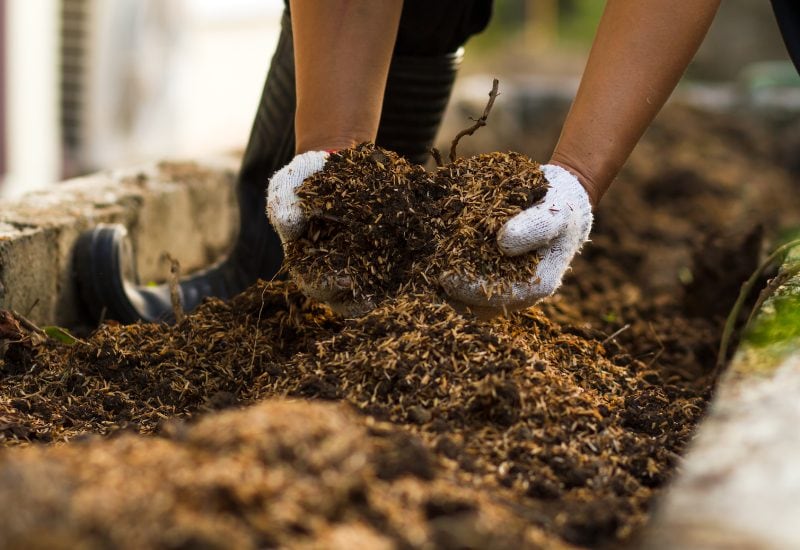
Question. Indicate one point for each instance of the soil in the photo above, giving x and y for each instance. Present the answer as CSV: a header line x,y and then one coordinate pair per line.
x,y
411,426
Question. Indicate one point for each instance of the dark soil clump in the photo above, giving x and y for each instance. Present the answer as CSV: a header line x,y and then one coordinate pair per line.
x,y
367,210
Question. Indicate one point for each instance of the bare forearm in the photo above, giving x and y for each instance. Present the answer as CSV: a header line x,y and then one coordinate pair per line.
x,y
342,54
640,52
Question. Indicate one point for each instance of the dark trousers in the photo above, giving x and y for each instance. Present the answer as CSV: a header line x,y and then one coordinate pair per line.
x,y
788,14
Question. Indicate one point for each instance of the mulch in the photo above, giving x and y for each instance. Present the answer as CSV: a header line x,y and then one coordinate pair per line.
x,y
269,421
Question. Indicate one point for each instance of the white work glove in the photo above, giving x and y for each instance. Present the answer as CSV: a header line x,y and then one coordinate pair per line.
x,y
555,229
283,204
287,217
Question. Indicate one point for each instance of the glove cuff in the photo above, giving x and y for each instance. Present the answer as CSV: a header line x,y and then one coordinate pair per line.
x,y
573,190
308,163
575,196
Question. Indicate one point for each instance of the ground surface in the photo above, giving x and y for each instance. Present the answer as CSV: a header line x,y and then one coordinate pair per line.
x,y
557,426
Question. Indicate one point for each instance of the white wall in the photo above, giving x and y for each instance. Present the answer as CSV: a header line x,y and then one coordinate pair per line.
x,y
179,78
164,78
32,111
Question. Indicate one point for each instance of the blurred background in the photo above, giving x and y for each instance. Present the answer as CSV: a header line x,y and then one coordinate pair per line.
x,y
94,84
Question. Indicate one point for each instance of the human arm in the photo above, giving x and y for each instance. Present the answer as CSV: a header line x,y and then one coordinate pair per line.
x,y
641,49
342,53
640,52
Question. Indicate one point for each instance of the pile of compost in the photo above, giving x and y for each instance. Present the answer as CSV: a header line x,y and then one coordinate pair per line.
x,y
516,408
413,425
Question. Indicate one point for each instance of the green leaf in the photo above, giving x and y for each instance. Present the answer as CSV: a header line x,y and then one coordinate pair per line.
x,y
60,334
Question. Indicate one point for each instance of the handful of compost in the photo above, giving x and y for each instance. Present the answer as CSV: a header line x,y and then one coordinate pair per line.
x,y
537,245
493,231
361,222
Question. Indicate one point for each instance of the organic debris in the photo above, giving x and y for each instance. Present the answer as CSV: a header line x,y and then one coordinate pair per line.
x,y
557,425
276,475
478,123
380,223
513,406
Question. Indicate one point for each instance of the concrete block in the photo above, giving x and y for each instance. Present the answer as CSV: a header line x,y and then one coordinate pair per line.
x,y
186,209
739,486
28,270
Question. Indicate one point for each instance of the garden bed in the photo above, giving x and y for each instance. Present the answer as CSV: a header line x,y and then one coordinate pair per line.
x,y
555,426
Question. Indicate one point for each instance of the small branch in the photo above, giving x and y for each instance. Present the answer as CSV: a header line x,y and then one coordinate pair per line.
x,y
661,346
174,287
478,123
27,323
30,309
18,328
437,156
615,334
769,290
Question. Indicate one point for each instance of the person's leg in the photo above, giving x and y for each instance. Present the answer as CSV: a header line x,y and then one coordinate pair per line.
x,y
788,14
104,257
425,61
420,79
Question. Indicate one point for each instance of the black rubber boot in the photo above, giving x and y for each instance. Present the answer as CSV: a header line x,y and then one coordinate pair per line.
x,y
417,92
104,259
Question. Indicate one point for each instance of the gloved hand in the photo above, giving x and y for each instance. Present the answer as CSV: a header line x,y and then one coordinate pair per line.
x,y
556,228
283,204
287,217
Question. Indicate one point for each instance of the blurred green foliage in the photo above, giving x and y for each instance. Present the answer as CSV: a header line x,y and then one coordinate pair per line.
x,y
778,323
577,22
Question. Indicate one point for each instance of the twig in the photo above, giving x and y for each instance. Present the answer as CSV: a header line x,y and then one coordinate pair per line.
x,y
437,156
33,305
615,334
34,333
769,290
258,328
478,123
27,323
258,322
661,346
655,357
174,287
747,287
